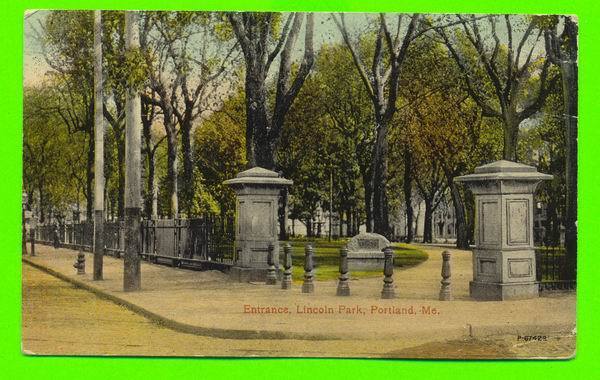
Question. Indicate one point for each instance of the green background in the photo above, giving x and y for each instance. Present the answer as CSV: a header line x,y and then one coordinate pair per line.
x,y
15,365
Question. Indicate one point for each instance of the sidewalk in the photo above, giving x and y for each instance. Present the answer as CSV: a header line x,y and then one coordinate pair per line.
x,y
206,303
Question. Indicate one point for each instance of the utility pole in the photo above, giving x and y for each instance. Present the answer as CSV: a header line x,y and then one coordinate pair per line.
x,y
98,150
133,142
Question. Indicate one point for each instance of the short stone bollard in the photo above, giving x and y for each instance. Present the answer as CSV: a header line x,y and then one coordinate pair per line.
x,y
445,290
271,275
286,282
388,271
308,285
80,262
343,288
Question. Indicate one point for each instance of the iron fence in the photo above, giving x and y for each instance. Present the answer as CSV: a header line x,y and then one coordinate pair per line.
x,y
72,235
114,238
551,265
205,242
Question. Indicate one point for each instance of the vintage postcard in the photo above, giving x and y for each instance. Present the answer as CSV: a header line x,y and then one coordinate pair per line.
x,y
299,184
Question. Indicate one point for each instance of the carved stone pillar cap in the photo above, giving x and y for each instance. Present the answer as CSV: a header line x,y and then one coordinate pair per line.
x,y
504,170
258,176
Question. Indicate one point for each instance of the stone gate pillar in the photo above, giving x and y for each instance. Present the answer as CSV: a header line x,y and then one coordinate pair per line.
x,y
257,191
504,256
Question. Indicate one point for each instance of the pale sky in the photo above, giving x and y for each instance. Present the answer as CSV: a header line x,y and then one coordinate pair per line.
x,y
34,66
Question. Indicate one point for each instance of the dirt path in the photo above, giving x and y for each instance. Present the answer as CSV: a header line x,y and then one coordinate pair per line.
x,y
61,319
208,304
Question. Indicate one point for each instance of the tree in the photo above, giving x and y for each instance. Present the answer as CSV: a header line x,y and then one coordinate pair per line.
x,y
562,51
427,71
133,131
219,154
345,107
256,34
381,83
66,39
444,129
543,145
54,163
304,155
497,76
98,149
201,57
161,91
152,141
115,88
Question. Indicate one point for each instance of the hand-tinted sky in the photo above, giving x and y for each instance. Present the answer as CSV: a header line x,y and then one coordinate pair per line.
x,y
34,66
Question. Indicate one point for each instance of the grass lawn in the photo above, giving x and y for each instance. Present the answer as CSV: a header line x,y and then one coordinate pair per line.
x,y
327,258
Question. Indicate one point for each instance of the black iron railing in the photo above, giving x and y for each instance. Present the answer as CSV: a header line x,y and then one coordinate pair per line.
x,y
551,269
204,242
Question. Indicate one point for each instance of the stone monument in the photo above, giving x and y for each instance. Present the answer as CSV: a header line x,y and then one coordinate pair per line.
x,y
504,256
365,251
257,192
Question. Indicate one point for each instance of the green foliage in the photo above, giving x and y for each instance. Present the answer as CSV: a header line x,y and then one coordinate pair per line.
x,y
136,69
67,39
543,145
53,159
220,151
328,132
203,201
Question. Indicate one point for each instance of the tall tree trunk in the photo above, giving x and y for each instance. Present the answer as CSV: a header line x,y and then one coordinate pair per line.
x,y
155,197
42,205
150,185
309,227
89,183
552,224
511,135
172,172
461,227
368,201
133,135
99,150
282,214
349,222
187,182
407,187
120,140
256,118
569,71
427,230
381,221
